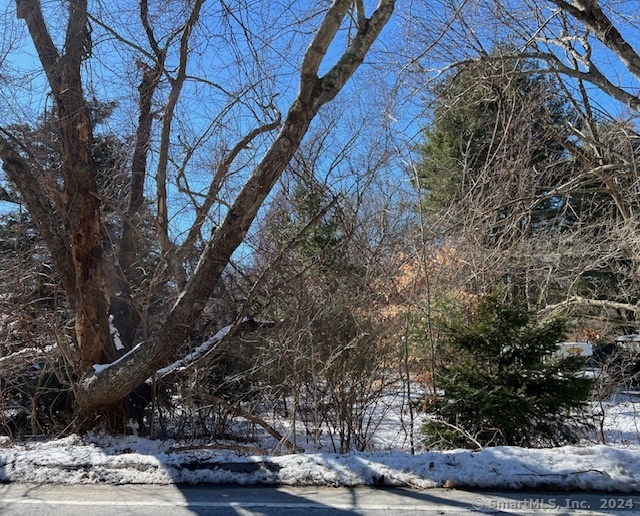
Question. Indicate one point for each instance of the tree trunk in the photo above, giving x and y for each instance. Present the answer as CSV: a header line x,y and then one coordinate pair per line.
x,y
80,199
80,207
102,388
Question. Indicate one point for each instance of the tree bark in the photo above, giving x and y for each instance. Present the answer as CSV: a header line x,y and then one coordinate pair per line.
x,y
80,199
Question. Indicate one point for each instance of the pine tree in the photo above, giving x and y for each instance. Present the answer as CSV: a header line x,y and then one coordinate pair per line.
x,y
504,384
488,120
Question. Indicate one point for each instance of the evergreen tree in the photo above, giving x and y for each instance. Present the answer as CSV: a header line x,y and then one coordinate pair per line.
x,y
497,123
503,383
513,172
322,244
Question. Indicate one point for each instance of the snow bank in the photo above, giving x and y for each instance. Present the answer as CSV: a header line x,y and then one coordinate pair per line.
x,y
100,459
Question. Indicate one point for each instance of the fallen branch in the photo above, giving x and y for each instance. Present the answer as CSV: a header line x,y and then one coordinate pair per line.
x,y
21,363
600,303
462,431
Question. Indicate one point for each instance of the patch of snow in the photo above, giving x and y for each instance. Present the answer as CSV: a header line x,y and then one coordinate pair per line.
x,y
24,351
259,321
100,458
201,350
101,367
115,335
620,420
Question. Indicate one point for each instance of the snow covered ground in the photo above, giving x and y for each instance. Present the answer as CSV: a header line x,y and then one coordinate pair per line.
x,y
104,459
134,460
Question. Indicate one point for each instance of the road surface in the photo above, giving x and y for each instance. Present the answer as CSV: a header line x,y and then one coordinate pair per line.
x,y
154,500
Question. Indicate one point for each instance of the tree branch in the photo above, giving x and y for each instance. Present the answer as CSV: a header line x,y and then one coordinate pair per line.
x,y
599,303
591,15
43,213
99,389
321,41
31,12
556,66
216,183
162,221
250,417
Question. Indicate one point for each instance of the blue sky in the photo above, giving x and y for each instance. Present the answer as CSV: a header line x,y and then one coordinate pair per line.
x,y
274,34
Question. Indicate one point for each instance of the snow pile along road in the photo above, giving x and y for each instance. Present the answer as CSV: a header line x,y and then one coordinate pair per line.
x,y
134,460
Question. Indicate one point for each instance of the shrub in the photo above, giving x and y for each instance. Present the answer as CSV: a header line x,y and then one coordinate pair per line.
x,y
503,384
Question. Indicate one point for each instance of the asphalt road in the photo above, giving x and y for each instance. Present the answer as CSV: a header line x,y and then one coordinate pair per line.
x,y
153,500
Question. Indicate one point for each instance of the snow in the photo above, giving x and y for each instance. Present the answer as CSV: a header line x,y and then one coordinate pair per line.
x,y
133,460
204,348
182,363
200,351
100,458
621,421
101,367
115,334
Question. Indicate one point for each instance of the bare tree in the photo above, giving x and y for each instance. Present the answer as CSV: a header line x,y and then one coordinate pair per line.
x,y
67,210
587,263
585,40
